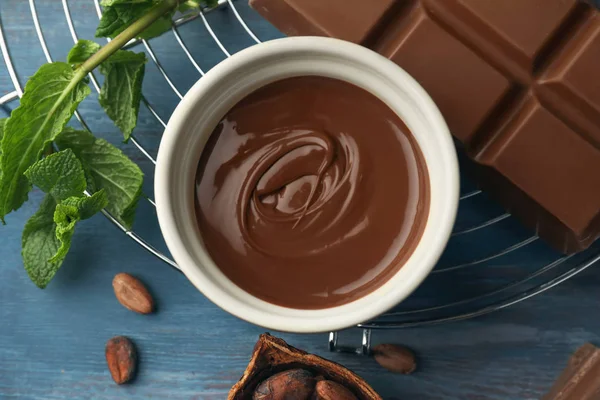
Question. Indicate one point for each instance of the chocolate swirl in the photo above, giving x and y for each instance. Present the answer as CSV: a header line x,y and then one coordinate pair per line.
x,y
304,180
310,193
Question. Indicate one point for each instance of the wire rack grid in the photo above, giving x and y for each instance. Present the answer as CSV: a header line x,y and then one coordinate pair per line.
x,y
491,261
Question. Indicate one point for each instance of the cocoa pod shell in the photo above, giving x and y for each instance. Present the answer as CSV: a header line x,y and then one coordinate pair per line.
x,y
272,355
121,358
132,294
293,384
395,358
329,390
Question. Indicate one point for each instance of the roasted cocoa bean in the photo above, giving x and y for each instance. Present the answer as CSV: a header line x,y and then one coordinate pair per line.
x,y
329,390
121,358
395,358
294,384
132,294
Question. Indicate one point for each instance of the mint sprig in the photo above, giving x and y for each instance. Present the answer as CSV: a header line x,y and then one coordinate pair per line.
x,y
62,177
109,3
118,15
39,244
49,101
37,127
68,213
47,235
82,50
106,168
121,92
122,89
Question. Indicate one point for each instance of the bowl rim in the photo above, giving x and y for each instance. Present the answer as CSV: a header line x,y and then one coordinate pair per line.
x,y
196,267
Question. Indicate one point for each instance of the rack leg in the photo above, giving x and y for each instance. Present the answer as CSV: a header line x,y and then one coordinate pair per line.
x,y
364,349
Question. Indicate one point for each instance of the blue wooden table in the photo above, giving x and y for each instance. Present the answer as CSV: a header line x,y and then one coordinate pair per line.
x,y
52,340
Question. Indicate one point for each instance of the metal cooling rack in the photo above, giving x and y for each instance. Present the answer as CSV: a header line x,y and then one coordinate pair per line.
x,y
491,261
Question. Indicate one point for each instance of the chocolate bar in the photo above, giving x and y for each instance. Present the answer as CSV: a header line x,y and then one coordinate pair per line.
x,y
517,81
581,378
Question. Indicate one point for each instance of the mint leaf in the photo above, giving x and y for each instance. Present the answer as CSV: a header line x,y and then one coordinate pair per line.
x,y
50,99
108,3
160,26
65,218
110,24
87,206
82,50
68,213
47,235
109,169
122,89
121,92
118,15
39,244
186,6
197,4
60,175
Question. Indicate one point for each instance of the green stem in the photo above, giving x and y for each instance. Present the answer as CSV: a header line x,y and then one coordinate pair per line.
x,y
192,3
132,31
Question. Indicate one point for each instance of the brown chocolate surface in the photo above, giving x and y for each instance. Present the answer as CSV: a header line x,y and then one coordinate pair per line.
x,y
581,378
517,82
311,193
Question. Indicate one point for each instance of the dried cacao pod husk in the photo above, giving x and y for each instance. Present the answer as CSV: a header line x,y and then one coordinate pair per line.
x,y
272,355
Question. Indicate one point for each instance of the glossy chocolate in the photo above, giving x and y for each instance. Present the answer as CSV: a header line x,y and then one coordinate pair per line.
x,y
311,193
516,80
580,380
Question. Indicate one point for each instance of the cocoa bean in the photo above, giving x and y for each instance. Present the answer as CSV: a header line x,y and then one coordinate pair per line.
x,y
329,390
294,384
132,294
395,358
121,358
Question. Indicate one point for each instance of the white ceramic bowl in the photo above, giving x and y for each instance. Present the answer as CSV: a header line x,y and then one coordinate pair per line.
x,y
229,82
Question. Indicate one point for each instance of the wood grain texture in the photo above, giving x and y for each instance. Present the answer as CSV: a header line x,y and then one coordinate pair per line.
x,y
52,341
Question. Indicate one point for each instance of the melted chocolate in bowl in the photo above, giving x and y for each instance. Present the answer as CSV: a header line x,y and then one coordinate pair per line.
x,y
311,193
